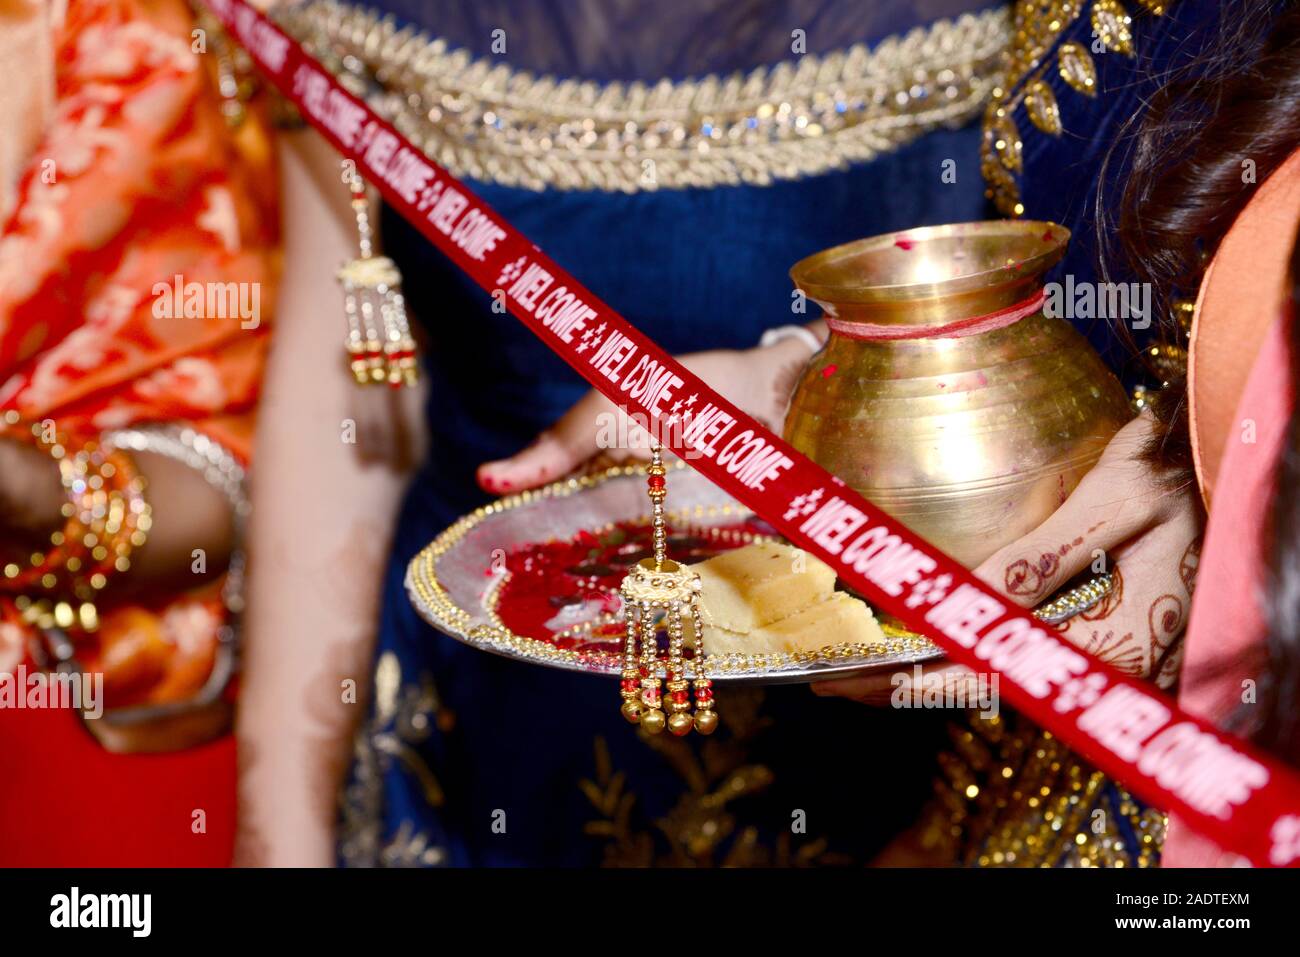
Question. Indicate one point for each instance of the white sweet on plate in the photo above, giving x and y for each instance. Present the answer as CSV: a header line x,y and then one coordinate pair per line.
x,y
750,587
771,598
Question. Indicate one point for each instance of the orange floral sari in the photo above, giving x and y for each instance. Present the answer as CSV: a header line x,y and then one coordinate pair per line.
x,y
139,179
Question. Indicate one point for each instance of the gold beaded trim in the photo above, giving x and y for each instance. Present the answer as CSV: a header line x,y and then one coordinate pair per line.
x,y
1037,26
489,122
436,606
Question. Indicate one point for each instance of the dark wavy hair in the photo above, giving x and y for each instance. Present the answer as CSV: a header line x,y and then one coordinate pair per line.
x,y
1186,153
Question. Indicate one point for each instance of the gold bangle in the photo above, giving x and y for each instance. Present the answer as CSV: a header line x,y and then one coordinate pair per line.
x,y
106,517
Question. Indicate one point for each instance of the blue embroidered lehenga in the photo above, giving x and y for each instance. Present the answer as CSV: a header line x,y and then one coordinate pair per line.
x,y
471,759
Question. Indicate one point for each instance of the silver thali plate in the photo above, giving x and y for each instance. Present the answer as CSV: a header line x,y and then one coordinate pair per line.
x,y
467,583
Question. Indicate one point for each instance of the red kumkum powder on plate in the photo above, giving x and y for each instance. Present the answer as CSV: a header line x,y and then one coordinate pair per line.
x,y
546,577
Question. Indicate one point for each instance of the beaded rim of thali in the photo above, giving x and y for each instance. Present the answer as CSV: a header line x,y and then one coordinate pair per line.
x,y
437,607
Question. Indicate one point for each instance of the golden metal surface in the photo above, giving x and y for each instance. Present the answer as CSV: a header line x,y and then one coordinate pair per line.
x,y
970,441
933,275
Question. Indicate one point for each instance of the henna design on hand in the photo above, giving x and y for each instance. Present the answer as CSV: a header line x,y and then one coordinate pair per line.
x,y
1048,564
1026,580
1189,564
1167,676
1121,651
1069,546
1166,621
1022,579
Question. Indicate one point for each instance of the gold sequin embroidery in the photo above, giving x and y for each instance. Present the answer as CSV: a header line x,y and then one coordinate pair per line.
x,y
1034,51
1011,795
404,716
490,122
704,827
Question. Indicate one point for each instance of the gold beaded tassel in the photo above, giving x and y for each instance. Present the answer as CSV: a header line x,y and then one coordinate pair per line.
x,y
706,719
679,702
380,346
631,683
659,583
652,715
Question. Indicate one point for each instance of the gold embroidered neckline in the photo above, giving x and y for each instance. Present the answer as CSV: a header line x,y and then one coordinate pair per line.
x,y
491,122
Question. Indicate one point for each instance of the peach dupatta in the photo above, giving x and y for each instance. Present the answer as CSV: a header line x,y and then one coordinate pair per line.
x,y
1239,385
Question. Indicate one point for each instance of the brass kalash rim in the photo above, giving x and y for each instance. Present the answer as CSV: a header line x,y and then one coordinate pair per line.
x,y
433,603
932,275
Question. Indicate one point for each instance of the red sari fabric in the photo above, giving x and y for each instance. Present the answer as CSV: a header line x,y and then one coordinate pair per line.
x,y
139,179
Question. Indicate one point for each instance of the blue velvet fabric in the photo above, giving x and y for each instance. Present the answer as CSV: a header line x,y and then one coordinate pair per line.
x,y
696,269
626,40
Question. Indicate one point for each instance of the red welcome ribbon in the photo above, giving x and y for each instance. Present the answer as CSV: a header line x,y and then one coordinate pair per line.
x,y
1244,800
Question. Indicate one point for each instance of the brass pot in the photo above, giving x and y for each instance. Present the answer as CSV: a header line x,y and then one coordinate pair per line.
x,y
970,440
